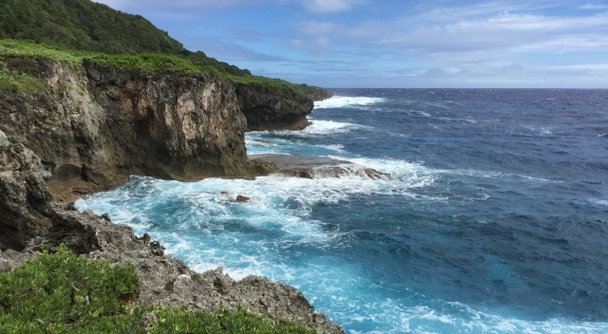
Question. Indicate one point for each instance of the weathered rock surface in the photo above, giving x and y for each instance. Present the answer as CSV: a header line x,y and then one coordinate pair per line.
x,y
24,196
318,167
267,108
316,93
164,280
93,128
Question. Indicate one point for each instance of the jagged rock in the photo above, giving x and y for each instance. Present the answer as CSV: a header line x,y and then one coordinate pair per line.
x,y
316,93
241,198
97,125
24,196
164,280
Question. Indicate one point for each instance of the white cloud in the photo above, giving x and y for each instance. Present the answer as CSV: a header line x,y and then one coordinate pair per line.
x,y
593,7
316,28
322,44
597,69
328,6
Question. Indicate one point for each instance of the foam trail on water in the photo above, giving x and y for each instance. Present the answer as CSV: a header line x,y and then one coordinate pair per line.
x,y
415,175
347,101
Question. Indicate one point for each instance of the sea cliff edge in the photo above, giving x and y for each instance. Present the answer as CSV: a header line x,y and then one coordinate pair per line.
x,y
94,126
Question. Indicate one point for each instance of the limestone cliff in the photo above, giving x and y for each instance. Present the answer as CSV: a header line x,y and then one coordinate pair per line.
x,y
96,125
270,108
25,210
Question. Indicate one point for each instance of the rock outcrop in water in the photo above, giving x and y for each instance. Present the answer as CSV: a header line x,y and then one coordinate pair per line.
x,y
317,167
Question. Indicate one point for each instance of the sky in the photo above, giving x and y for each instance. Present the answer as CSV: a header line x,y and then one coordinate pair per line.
x,y
396,44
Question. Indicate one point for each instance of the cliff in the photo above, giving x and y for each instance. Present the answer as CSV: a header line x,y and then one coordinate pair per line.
x,y
95,125
272,108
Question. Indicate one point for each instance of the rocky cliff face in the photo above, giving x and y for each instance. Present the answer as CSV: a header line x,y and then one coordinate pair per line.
x,y
25,210
96,125
268,108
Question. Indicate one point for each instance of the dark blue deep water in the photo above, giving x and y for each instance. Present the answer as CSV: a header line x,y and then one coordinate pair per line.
x,y
496,220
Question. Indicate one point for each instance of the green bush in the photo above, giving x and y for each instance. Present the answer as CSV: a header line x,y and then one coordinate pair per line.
x,y
18,82
64,293
61,292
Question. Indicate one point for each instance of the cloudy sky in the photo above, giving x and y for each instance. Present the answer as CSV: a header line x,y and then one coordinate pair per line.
x,y
380,43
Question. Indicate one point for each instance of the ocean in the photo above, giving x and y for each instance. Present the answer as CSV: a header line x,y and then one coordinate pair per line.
x,y
495,219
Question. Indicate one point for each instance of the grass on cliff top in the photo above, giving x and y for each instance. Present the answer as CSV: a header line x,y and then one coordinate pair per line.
x,y
17,81
64,293
153,62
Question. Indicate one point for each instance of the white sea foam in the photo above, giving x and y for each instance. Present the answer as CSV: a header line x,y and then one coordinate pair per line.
x,y
259,143
321,128
316,129
454,317
412,174
337,148
600,201
543,131
498,175
209,235
347,101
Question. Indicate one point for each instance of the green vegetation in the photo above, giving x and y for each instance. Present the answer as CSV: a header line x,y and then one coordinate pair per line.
x,y
75,30
82,25
153,62
64,293
89,26
18,81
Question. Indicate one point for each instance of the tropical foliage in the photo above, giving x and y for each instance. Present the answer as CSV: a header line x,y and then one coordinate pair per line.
x,y
64,293
90,26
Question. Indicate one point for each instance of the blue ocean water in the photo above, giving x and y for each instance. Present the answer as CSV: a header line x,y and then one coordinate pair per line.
x,y
496,220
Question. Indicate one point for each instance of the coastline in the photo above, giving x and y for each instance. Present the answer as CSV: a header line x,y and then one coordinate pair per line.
x,y
93,147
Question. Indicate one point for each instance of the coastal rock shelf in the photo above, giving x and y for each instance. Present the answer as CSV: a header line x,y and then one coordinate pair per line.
x,y
312,167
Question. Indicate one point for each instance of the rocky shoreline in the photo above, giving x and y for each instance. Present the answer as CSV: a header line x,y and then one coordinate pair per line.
x,y
97,125
30,220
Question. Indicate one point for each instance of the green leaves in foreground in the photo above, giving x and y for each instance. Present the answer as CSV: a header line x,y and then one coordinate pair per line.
x,y
64,293
220,321
60,293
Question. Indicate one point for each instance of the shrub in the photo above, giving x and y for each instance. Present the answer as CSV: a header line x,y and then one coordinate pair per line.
x,y
64,293
18,82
